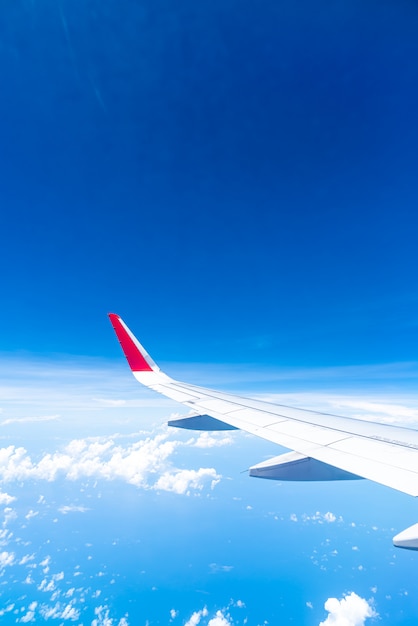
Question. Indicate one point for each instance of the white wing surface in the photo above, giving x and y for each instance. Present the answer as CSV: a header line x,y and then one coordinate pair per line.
x,y
321,442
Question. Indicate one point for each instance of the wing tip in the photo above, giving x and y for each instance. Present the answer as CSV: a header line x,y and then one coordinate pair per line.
x,y
137,357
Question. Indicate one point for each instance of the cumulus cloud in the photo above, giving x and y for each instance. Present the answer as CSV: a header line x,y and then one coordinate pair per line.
x,y
182,481
197,617
221,617
351,610
210,440
220,620
29,616
103,618
5,498
145,463
6,558
27,558
319,518
60,611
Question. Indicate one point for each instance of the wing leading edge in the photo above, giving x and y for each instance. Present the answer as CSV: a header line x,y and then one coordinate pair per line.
x,y
325,446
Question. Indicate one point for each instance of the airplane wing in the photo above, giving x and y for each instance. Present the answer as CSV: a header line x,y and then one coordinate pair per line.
x,y
325,446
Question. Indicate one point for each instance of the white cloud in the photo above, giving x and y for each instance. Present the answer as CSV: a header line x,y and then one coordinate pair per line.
x,y
6,558
320,518
215,567
31,514
45,562
8,608
181,481
30,615
9,516
103,618
72,508
210,440
351,610
220,620
26,559
196,617
173,613
145,463
60,611
5,498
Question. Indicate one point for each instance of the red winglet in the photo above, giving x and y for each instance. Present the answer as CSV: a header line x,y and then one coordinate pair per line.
x,y
135,354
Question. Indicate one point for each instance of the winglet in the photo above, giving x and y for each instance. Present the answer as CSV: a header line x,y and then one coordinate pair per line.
x,y
138,358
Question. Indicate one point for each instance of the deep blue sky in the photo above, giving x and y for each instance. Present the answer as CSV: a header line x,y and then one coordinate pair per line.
x,y
236,179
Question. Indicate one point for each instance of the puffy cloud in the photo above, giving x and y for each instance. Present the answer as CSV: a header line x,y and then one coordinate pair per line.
x,y
210,440
182,481
349,611
26,559
320,518
50,585
196,617
6,558
5,498
8,608
9,516
220,620
60,611
221,617
30,615
145,463
5,536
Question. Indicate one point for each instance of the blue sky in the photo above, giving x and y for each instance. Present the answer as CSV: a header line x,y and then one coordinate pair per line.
x,y
238,182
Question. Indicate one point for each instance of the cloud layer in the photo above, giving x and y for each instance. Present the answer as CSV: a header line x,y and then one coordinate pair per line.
x,y
145,463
